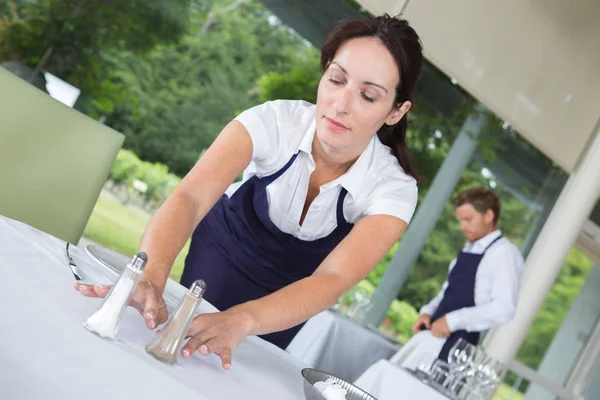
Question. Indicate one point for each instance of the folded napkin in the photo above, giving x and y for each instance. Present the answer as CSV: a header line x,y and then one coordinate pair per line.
x,y
331,390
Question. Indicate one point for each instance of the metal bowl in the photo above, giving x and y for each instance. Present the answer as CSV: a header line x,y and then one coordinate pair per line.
x,y
311,376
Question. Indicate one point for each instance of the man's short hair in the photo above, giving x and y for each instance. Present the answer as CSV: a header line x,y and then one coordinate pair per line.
x,y
481,199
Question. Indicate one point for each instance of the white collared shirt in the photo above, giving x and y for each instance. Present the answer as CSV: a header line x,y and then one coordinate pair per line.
x,y
376,183
496,286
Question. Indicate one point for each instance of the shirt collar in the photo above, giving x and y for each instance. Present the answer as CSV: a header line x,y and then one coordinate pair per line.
x,y
485,241
309,135
353,178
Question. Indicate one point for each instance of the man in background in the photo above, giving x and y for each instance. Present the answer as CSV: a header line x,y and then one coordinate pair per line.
x,y
483,282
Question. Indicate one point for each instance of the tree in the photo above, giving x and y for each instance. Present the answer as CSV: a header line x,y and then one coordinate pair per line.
x,y
300,83
179,97
67,37
11,8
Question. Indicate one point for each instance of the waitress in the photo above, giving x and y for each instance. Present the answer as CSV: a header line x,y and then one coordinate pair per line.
x,y
327,190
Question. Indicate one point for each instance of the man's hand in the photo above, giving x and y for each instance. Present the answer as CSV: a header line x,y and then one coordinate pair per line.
x,y
440,328
424,319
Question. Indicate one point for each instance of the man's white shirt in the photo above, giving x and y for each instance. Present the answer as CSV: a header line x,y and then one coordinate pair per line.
x,y
497,285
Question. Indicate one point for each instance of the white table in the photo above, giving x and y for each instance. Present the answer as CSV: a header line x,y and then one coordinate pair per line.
x,y
388,381
45,353
336,345
420,345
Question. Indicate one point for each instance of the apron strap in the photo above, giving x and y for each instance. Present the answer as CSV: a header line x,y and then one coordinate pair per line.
x,y
340,206
490,245
269,179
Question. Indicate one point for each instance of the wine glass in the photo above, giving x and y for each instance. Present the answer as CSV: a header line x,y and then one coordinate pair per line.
x,y
460,360
360,304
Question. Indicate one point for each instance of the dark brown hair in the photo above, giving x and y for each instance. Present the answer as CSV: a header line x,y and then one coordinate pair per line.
x,y
481,199
405,46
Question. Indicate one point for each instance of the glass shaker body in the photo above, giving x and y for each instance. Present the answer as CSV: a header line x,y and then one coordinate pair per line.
x,y
105,322
169,341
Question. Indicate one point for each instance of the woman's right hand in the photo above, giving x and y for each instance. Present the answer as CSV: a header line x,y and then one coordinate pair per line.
x,y
147,299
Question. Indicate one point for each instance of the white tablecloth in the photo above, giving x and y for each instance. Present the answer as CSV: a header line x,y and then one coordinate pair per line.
x,y
338,346
45,352
388,381
420,345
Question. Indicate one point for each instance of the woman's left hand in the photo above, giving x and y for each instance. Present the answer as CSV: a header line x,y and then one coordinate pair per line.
x,y
218,333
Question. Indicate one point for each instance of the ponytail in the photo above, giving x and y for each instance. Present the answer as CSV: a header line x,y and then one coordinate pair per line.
x,y
394,136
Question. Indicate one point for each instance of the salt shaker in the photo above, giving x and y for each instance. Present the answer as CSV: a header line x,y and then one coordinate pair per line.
x,y
105,321
169,341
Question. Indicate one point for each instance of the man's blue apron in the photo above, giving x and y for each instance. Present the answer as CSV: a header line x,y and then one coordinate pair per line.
x,y
243,256
460,293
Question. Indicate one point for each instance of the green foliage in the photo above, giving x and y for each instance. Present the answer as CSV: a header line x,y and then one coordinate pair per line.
x,y
129,167
402,315
75,33
124,167
555,308
299,84
156,176
179,97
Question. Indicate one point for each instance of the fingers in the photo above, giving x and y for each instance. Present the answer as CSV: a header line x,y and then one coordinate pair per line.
x,y
150,305
206,347
207,340
422,320
415,327
162,314
92,290
442,334
425,320
226,358
198,325
150,309
446,332
223,351
197,342
438,330
197,336
435,330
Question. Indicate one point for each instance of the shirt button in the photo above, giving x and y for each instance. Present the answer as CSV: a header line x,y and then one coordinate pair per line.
x,y
304,236
316,207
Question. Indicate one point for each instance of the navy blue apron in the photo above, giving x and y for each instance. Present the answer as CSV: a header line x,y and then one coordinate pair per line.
x,y
243,256
460,293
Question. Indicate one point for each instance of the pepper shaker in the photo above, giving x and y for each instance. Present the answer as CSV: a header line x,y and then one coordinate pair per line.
x,y
169,341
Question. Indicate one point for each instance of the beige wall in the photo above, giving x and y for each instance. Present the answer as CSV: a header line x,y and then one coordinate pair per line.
x,y
378,7
535,63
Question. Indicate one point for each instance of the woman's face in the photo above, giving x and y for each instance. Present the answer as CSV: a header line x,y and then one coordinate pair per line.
x,y
356,96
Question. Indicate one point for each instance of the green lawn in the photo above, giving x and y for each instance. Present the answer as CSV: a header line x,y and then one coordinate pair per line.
x,y
115,226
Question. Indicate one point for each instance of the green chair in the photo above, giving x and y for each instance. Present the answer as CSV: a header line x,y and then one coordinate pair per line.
x,y
53,160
